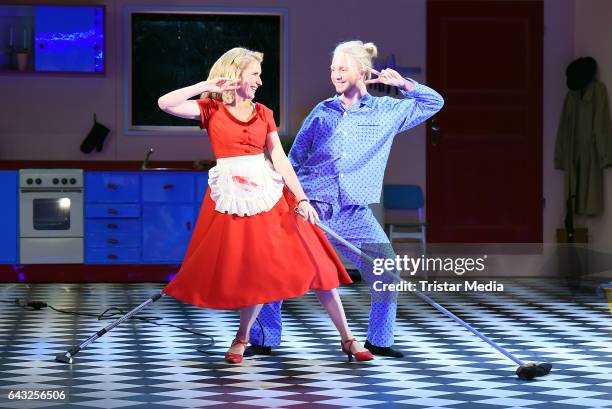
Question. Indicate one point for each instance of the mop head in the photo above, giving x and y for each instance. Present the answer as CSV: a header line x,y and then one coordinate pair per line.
x,y
533,370
64,358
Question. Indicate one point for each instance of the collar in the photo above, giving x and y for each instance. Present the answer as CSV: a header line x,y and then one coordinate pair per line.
x,y
335,102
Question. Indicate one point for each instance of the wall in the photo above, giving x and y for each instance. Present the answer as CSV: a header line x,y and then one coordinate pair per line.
x,y
46,117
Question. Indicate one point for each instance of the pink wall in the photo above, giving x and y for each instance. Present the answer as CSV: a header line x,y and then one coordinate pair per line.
x,y
46,117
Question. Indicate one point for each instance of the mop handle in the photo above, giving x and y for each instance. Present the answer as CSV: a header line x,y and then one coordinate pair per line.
x,y
422,296
346,243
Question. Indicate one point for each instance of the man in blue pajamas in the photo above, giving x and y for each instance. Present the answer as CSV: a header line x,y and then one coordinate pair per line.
x,y
340,155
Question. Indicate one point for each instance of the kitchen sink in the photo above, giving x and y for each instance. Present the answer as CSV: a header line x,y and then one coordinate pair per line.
x,y
183,169
146,161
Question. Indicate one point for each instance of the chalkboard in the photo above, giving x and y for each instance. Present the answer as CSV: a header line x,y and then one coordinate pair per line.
x,y
171,50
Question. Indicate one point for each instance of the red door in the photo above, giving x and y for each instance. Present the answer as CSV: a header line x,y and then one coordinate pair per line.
x,y
484,161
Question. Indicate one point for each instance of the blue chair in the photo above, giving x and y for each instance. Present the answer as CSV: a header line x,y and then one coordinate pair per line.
x,y
404,197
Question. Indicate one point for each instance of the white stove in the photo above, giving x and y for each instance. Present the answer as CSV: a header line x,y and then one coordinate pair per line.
x,y
50,216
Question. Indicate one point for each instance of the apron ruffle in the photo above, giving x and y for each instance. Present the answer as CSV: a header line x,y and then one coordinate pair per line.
x,y
244,185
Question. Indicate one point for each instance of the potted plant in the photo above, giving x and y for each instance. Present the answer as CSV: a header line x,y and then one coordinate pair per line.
x,y
22,54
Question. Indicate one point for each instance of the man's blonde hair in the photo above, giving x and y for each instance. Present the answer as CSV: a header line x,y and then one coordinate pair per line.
x,y
361,53
230,65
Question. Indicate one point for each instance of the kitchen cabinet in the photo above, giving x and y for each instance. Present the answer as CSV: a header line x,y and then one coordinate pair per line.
x,y
166,230
168,216
9,216
141,217
113,227
112,187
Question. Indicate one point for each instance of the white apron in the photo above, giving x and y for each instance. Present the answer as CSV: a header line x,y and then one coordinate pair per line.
x,y
244,185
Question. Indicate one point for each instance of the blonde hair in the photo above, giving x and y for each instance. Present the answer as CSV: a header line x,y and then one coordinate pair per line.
x,y
361,53
230,65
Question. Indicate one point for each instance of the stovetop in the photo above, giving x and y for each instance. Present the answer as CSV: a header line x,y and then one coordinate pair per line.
x,y
44,178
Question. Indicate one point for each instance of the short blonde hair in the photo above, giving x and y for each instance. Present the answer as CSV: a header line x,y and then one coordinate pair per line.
x,y
230,65
361,53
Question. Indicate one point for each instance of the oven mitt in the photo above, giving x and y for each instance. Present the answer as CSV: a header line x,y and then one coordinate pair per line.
x,y
95,138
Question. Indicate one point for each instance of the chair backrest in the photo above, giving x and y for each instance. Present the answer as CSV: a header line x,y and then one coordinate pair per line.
x,y
403,197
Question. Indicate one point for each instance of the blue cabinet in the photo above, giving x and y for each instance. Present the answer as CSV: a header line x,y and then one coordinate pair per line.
x,y
167,188
9,216
112,187
141,217
113,228
168,217
166,230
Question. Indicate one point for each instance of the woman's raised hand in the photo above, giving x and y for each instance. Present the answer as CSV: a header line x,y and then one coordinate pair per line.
x,y
222,84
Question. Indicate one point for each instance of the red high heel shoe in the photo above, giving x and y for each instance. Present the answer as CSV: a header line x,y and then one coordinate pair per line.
x,y
232,357
359,356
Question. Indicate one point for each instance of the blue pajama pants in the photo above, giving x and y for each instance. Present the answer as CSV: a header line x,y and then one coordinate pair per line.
x,y
357,225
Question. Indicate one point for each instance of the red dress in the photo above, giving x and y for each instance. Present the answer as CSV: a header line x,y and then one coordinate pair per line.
x,y
236,261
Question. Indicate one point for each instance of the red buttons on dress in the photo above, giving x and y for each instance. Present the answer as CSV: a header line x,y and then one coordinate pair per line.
x,y
244,130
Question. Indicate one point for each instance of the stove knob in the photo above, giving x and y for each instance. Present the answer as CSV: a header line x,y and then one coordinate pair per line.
x,y
55,181
64,181
72,181
29,181
38,181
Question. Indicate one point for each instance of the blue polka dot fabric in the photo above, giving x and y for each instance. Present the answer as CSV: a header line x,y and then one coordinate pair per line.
x,y
340,155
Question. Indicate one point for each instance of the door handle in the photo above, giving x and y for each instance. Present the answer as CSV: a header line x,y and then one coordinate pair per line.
x,y
435,132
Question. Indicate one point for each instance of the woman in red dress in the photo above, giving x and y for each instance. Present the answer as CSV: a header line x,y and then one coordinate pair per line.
x,y
248,246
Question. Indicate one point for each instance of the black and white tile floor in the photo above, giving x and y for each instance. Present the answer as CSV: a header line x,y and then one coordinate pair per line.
x,y
140,365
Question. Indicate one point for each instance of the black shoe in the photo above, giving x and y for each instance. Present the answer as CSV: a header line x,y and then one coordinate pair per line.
x,y
257,350
383,351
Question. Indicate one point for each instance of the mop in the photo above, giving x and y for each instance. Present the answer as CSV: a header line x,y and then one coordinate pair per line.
x,y
525,370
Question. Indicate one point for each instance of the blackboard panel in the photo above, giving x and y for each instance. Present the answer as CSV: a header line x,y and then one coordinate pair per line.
x,y
174,50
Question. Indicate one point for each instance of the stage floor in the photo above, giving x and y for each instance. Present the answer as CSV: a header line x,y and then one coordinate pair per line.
x,y
140,365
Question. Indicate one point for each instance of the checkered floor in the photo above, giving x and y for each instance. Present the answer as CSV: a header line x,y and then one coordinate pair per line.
x,y
141,365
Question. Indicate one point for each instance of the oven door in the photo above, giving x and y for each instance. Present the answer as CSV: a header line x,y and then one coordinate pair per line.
x,y
51,213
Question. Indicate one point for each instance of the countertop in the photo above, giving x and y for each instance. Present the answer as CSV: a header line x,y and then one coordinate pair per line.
x,y
120,166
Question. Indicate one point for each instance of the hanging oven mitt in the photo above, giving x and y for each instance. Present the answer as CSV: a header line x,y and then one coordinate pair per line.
x,y
95,137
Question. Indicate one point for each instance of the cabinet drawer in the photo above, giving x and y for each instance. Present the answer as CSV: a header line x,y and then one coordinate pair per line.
x,y
112,187
167,188
111,210
112,225
113,239
98,255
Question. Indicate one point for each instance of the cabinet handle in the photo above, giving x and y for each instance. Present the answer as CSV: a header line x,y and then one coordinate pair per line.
x,y
112,256
168,185
112,186
189,226
111,226
112,211
112,241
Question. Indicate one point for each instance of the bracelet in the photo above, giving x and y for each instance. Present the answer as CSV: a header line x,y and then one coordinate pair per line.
x,y
303,200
